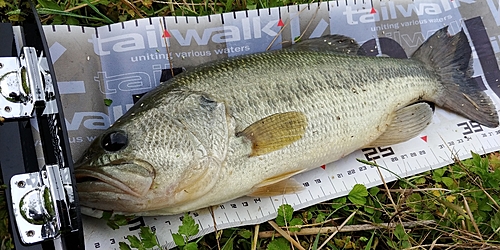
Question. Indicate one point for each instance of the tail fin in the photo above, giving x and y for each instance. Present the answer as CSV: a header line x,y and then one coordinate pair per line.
x,y
450,57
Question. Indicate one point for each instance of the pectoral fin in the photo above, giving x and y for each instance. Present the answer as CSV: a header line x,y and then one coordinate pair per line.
x,y
275,132
407,123
277,185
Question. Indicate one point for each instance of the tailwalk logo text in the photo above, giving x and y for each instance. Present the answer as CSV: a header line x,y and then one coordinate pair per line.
x,y
390,10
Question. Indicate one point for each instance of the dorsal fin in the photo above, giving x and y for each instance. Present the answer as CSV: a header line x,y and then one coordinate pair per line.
x,y
330,43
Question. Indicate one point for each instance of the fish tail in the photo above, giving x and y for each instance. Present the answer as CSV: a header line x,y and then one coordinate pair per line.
x,y
450,58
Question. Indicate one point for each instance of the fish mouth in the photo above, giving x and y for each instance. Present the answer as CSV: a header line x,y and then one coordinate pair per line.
x,y
90,181
119,177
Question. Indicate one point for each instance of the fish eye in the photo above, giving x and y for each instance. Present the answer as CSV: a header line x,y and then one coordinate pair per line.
x,y
114,141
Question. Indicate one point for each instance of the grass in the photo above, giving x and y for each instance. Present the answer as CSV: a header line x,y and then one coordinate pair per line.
x,y
102,12
455,207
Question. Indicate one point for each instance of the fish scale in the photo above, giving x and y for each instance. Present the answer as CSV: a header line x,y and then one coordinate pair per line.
x,y
249,102
333,139
244,125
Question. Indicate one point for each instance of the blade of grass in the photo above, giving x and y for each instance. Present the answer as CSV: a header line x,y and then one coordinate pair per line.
x,y
473,221
339,228
98,12
369,244
80,6
285,235
255,237
64,13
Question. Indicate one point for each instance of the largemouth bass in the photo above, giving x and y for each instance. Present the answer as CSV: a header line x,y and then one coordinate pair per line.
x,y
245,125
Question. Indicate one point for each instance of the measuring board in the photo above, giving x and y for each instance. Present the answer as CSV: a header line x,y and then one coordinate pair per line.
x,y
123,60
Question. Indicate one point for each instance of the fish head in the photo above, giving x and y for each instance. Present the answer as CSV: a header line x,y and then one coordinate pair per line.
x,y
157,158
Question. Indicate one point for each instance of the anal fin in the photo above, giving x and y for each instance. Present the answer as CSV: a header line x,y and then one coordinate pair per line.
x,y
277,185
407,123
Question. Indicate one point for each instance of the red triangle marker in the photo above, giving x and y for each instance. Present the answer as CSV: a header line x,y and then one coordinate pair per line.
x,y
165,34
424,138
323,166
280,23
373,11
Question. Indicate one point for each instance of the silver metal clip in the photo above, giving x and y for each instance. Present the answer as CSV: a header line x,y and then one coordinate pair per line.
x,y
25,83
43,204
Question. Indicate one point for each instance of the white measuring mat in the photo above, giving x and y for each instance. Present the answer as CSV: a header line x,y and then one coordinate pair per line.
x,y
122,60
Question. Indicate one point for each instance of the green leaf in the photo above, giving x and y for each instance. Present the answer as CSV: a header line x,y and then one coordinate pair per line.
x,y
178,240
420,180
369,209
285,213
106,215
491,179
415,201
112,225
476,159
358,194
124,246
405,244
339,202
295,222
374,191
122,220
473,206
191,246
400,233
478,194
245,233
188,227
437,174
134,241
320,217
457,172
148,237
115,221
449,183
392,244
495,221
122,18
108,102
279,244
